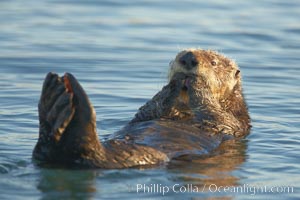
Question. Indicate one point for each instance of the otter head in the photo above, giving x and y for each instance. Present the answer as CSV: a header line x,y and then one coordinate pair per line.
x,y
211,74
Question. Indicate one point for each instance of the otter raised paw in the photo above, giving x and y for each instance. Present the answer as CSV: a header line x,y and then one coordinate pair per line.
x,y
68,131
201,106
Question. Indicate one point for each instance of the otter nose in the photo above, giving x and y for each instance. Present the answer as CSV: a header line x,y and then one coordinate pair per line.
x,y
188,60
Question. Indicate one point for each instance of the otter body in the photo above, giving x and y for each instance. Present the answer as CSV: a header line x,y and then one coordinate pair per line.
x,y
201,106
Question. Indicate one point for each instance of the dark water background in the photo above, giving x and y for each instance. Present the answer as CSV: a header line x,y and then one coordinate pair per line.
x,y
120,50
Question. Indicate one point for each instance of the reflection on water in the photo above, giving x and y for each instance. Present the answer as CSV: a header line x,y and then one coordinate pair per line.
x,y
67,184
216,170
195,175
218,167
120,50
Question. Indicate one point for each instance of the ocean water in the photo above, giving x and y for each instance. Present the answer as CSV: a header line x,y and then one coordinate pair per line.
x,y
119,51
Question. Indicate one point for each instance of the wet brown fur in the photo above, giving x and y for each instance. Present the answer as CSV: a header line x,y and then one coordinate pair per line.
x,y
191,115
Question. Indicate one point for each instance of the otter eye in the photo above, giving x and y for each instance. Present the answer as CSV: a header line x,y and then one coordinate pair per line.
x,y
213,63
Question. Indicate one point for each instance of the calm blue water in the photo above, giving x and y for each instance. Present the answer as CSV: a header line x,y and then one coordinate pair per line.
x,y
120,50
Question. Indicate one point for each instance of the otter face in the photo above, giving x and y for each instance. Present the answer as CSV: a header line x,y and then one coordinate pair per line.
x,y
206,70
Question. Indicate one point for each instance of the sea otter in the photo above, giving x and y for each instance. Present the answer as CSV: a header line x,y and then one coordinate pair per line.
x,y
201,106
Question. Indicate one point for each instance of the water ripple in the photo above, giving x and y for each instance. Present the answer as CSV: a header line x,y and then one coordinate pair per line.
x,y
120,51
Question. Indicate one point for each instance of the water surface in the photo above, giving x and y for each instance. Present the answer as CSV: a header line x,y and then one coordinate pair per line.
x,y
120,50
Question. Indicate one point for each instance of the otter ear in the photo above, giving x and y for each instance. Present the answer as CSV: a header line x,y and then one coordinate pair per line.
x,y
237,74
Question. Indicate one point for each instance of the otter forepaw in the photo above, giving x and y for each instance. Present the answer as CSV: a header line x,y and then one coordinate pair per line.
x,y
174,88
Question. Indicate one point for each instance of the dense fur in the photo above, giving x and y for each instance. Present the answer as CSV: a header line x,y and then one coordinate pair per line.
x,y
201,106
